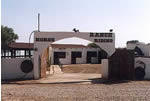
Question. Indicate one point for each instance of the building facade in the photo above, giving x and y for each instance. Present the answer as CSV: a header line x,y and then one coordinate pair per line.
x,y
141,48
142,58
74,54
42,40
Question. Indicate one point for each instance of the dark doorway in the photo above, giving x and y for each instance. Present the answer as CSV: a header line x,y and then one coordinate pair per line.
x,y
102,55
58,55
90,54
75,55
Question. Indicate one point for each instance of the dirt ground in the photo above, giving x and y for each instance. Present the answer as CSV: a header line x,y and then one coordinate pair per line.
x,y
82,68
102,91
75,85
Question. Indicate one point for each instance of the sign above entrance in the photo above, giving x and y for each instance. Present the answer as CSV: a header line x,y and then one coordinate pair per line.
x,y
45,39
100,34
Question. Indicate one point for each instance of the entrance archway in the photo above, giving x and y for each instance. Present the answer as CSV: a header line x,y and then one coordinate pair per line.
x,y
101,54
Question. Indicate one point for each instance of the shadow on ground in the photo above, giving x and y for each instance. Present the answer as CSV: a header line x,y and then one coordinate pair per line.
x,y
31,81
109,82
91,81
35,82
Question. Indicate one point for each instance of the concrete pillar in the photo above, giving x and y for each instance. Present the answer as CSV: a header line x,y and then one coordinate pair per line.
x,y
105,67
36,65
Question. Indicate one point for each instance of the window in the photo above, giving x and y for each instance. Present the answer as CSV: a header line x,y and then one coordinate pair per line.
x,y
91,34
53,39
37,39
97,35
45,39
102,35
76,54
110,35
110,40
95,40
103,40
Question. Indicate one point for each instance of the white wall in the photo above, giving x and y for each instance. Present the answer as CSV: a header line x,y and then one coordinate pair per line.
x,y
147,62
104,68
148,49
10,69
144,47
108,47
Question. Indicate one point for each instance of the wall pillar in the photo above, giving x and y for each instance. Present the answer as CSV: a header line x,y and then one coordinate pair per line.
x,y
105,67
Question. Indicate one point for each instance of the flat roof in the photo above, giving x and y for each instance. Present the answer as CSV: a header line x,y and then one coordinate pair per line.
x,y
69,32
21,45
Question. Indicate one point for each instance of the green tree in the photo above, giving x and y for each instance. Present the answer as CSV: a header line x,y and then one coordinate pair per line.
x,y
93,45
103,54
7,36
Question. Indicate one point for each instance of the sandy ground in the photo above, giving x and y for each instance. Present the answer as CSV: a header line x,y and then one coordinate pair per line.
x,y
75,87
82,68
116,91
70,78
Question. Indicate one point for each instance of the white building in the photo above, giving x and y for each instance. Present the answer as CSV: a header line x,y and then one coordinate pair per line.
x,y
142,60
74,51
42,40
135,45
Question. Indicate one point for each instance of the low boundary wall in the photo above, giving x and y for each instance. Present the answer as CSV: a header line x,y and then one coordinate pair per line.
x,y
104,68
10,69
145,60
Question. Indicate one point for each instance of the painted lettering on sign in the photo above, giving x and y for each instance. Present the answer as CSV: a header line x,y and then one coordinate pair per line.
x,y
103,40
45,39
100,34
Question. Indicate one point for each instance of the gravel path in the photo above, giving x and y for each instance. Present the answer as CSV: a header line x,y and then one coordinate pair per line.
x,y
125,91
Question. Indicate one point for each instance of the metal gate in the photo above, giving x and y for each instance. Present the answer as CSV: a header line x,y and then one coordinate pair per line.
x,y
121,65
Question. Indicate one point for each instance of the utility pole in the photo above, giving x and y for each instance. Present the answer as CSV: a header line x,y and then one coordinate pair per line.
x,y
38,22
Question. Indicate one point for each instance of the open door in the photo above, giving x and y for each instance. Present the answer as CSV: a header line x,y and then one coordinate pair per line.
x,y
44,62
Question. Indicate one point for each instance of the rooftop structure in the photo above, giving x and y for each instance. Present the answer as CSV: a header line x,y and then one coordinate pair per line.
x,y
18,50
73,41
140,48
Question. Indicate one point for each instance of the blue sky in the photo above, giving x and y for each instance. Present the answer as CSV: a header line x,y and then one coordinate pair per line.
x,y
130,19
